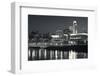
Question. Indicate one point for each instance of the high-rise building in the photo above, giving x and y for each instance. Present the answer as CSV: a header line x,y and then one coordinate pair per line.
x,y
74,27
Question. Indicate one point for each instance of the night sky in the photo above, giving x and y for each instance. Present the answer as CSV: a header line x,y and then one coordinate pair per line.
x,y
45,24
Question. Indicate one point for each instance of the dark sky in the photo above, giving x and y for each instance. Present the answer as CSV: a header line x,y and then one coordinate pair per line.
x,y
46,23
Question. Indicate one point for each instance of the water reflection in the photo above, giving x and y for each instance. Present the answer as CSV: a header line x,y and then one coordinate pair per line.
x,y
50,53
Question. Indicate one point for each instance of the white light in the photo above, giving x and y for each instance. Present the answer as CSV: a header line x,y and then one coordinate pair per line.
x,y
56,54
55,36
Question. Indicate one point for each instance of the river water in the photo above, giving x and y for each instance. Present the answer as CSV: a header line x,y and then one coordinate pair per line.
x,y
56,53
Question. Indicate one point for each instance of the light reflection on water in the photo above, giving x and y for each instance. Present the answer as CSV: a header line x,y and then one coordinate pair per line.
x,y
44,54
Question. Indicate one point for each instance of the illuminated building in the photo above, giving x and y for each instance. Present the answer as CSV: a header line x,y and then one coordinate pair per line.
x,y
74,27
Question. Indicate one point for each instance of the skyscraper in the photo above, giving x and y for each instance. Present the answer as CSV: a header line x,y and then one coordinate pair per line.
x,y
74,27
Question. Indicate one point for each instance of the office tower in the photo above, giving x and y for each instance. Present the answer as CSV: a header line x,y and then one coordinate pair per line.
x,y
74,27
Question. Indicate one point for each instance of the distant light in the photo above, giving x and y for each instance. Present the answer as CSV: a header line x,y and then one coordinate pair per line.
x,y
56,43
65,35
55,36
74,21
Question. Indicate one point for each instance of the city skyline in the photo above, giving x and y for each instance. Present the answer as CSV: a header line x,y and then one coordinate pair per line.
x,y
50,24
57,37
